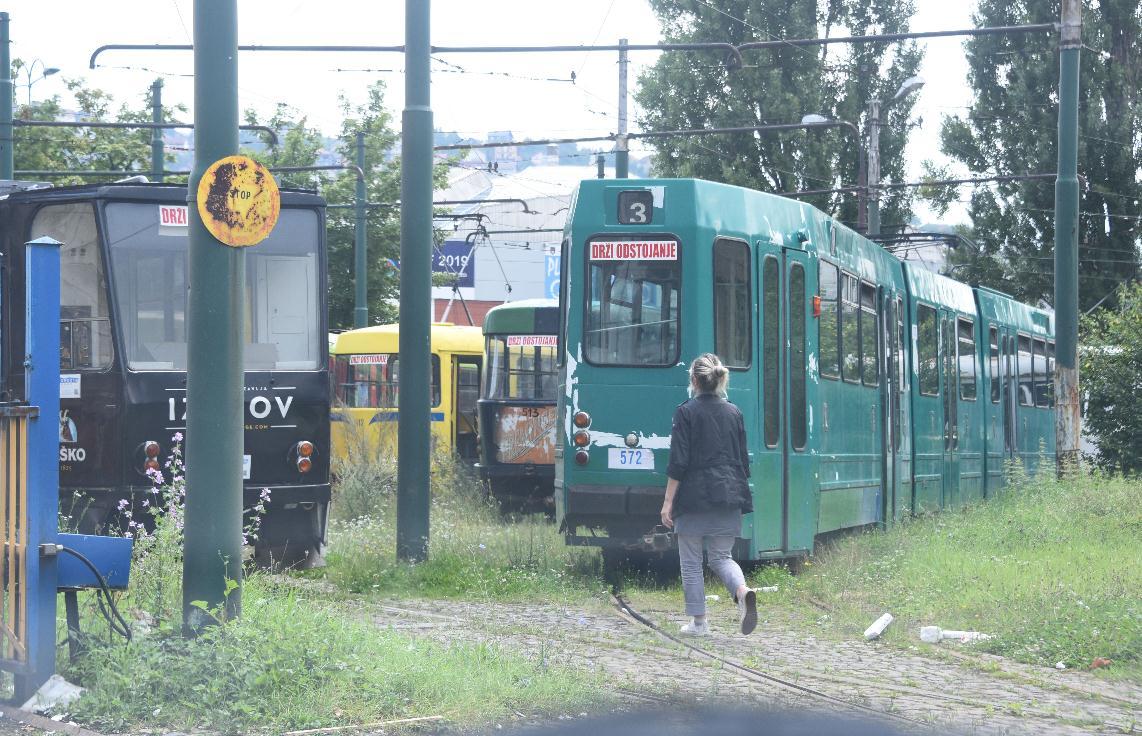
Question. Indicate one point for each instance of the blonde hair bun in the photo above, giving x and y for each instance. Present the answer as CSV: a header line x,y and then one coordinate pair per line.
x,y
709,375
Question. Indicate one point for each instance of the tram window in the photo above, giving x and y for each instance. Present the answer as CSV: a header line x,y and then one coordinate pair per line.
x,y
373,381
993,363
797,375
850,347
561,348
1039,353
869,335
1025,383
733,325
282,298
904,343
928,348
965,358
827,336
85,319
520,372
770,339
632,313
1050,374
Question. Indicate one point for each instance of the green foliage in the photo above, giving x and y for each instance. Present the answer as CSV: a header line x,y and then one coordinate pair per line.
x,y
694,90
1111,380
1011,129
57,149
295,663
1044,568
473,550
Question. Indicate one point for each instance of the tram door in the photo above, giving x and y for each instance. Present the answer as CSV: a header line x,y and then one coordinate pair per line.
x,y
892,408
950,394
786,283
467,393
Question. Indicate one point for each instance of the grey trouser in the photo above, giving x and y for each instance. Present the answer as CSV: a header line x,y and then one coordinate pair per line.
x,y
690,559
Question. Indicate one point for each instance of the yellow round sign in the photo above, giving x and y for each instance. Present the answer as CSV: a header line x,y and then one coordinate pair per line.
x,y
238,201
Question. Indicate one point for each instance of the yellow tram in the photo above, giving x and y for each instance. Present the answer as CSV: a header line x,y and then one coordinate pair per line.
x,y
365,371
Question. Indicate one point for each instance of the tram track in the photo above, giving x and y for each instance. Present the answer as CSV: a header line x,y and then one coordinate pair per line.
x,y
750,673
629,613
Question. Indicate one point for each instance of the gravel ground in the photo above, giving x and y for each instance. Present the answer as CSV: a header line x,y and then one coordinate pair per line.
x,y
955,694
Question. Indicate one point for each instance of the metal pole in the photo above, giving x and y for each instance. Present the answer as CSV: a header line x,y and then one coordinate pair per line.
x,y
1067,418
874,167
413,437
622,144
601,165
214,382
360,224
157,133
41,387
7,92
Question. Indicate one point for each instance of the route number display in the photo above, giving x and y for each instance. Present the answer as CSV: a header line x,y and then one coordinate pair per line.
x,y
636,207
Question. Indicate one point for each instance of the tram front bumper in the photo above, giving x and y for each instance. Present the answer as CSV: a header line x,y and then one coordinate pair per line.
x,y
629,516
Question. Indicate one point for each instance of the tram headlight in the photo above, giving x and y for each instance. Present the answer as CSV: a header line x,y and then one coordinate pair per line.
x,y
304,464
151,449
305,449
582,419
581,457
581,438
631,440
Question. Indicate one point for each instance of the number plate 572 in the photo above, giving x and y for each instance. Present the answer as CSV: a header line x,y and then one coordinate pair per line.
x,y
623,459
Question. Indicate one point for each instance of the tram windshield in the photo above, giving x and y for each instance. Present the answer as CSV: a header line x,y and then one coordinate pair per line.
x,y
521,367
632,315
372,381
150,269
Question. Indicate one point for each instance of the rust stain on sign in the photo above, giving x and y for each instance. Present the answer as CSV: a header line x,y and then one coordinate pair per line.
x,y
238,201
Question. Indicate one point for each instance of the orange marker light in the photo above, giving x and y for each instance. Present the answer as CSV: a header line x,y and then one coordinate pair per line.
x,y
304,464
305,448
581,457
151,448
582,419
581,439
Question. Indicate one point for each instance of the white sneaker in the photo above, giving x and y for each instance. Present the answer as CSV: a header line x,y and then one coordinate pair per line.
x,y
747,610
696,629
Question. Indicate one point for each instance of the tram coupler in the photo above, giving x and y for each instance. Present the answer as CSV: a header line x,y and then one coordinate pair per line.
x,y
656,540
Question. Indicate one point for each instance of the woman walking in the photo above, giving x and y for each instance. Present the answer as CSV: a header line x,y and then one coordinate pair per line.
x,y
707,491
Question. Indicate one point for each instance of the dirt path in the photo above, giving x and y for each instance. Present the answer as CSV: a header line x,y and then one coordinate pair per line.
x,y
974,694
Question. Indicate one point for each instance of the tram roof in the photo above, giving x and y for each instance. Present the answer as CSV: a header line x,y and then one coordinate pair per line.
x,y
525,317
445,337
138,191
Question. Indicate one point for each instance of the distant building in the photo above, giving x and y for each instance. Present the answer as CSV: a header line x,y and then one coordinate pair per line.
x,y
511,251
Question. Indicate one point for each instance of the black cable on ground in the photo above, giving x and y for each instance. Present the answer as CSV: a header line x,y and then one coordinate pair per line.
x,y
114,618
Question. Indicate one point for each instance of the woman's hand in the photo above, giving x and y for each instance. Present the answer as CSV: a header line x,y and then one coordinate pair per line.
x,y
668,514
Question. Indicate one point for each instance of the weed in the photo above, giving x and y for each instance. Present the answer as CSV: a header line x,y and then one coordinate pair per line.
x,y
1043,567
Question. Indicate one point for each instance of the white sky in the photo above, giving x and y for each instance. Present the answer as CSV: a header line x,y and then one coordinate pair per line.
x,y
472,103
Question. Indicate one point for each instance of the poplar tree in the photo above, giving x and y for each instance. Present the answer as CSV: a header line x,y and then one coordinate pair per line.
x,y
780,85
1011,128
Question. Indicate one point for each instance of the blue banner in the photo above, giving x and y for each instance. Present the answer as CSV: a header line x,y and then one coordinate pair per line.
x,y
551,276
454,257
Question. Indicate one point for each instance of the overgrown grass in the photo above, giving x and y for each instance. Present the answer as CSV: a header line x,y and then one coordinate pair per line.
x,y
290,662
293,663
1050,568
474,551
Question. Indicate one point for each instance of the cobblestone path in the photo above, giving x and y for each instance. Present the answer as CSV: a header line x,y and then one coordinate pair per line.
x,y
955,693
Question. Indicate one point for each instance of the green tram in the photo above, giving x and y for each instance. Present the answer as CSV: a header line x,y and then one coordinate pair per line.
x,y
872,389
517,405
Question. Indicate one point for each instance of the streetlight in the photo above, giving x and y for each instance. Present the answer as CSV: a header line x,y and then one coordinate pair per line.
x,y
876,110
862,171
45,71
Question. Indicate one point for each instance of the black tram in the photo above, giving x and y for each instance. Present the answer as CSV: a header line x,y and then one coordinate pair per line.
x,y
123,351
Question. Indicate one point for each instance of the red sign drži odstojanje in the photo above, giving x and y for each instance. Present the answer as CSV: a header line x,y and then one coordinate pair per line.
x,y
532,341
634,250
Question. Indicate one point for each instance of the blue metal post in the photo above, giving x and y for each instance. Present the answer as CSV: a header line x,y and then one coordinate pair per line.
x,y
41,376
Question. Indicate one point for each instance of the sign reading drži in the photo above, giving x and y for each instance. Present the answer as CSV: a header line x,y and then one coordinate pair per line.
x,y
238,201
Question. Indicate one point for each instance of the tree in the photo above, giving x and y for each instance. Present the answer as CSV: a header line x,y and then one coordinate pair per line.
x,y
59,149
1112,380
695,90
1011,129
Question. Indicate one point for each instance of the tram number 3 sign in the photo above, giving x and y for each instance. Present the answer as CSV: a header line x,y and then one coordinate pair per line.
x,y
238,201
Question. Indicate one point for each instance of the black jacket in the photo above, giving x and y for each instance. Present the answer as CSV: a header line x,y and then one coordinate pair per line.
x,y
708,456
